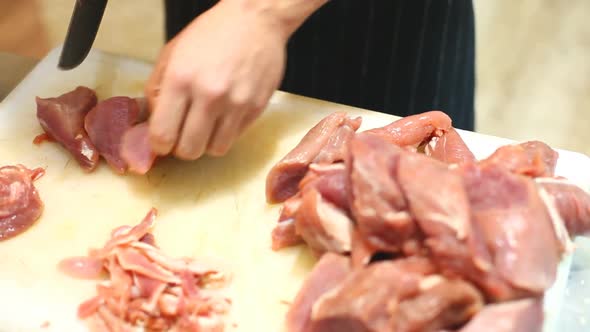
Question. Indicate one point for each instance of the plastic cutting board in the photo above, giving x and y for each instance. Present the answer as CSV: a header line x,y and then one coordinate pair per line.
x,y
214,207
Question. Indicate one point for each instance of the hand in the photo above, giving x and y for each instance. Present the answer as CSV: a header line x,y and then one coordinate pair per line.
x,y
213,80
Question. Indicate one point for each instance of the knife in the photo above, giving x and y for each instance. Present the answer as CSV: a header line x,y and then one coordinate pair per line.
x,y
81,32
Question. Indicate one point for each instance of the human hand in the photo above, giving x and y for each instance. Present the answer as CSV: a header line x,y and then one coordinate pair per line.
x,y
213,80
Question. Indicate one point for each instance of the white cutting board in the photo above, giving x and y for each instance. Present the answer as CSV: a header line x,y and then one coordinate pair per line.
x,y
211,207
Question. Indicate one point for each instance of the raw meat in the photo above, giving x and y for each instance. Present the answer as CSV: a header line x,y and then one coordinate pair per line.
x,y
324,188
136,150
377,202
321,217
147,288
106,124
433,237
507,209
284,234
62,119
456,258
449,148
82,267
499,254
388,196
327,143
364,301
20,204
517,316
441,303
435,211
533,158
444,210
414,130
42,138
113,128
323,226
330,181
572,203
326,274
324,143
361,251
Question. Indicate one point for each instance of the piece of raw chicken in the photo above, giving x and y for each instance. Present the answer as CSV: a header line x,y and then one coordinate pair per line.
x,y
62,119
414,130
113,128
402,295
106,125
377,203
516,316
532,158
136,149
328,205
20,204
389,200
449,148
324,221
325,143
507,209
326,275
492,231
572,203
499,254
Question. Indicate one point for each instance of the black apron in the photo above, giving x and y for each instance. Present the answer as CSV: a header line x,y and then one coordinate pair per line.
x,y
400,57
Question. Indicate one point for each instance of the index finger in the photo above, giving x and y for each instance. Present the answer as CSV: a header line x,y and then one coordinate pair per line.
x,y
167,117
152,86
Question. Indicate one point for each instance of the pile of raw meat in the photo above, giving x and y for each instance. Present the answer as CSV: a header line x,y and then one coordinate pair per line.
x,y
415,234
145,288
114,128
20,204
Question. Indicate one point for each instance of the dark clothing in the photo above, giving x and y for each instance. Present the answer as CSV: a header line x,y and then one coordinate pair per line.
x,y
400,57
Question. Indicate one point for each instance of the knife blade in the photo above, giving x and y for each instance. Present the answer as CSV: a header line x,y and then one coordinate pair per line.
x,y
82,31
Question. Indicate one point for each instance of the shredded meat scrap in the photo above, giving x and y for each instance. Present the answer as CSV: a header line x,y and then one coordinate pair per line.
x,y
413,239
145,288
20,204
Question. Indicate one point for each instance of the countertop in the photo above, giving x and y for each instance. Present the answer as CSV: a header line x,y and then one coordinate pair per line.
x,y
13,68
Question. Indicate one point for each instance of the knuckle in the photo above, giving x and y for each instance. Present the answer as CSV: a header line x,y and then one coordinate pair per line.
x,y
212,89
161,139
241,99
178,76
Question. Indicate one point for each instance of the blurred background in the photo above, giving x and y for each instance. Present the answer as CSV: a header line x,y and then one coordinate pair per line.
x,y
533,57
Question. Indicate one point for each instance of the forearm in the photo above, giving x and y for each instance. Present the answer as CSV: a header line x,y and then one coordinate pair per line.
x,y
286,15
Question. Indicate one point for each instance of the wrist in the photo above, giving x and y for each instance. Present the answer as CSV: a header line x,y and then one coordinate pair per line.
x,y
282,16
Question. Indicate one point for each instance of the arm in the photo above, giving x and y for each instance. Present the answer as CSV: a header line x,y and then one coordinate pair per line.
x,y
214,79
288,15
